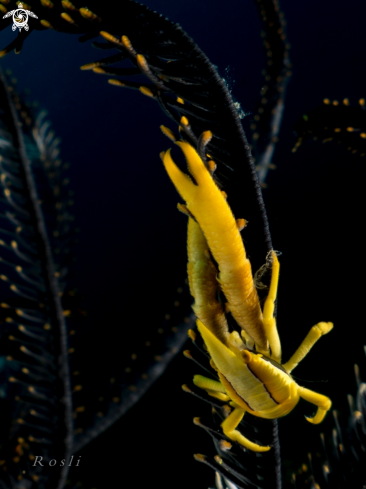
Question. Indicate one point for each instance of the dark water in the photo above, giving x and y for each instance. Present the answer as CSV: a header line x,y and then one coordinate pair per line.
x,y
132,241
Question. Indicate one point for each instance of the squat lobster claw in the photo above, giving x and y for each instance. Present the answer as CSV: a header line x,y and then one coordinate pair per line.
x,y
251,376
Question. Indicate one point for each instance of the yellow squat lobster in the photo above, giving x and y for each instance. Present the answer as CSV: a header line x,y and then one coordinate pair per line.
x,y
251,376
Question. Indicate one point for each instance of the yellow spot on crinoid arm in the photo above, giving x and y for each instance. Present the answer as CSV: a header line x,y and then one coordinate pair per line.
x,y
109,37
46,24
146,91
89,15
168,133
68,19
207,204
47,3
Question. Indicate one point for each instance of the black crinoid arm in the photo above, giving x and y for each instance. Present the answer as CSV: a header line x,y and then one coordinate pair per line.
x,y
35,380
40,358
174,69
171,69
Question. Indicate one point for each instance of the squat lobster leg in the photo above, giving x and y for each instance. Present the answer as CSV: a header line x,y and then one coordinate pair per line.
x,y
231,422
213,387
323,403
311,338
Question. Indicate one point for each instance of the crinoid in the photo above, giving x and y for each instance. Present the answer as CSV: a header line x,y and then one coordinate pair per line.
x,y
131,255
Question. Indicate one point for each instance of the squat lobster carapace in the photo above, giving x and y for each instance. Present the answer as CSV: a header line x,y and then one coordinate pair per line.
x,y
251,376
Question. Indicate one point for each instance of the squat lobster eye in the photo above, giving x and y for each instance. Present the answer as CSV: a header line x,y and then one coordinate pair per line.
x,y
252,381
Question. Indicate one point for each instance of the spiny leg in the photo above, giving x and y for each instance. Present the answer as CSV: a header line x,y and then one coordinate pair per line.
x,y
231,422
213,387
269,321
323,403
311,338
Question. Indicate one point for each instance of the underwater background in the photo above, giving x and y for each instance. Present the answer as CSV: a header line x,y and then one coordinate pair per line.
x,y
131,257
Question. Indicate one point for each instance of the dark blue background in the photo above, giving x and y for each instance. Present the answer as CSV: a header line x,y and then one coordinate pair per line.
x,y
132,240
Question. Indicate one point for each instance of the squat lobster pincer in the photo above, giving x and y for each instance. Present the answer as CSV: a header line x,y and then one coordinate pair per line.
x,y
251,376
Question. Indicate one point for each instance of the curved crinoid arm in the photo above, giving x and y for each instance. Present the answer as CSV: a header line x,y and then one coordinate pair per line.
x,y
149,45
203,283
36,400
270,108
207,204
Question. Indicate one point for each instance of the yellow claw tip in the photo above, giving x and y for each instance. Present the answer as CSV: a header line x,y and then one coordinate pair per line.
x,y
310,420
264,449
195,164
